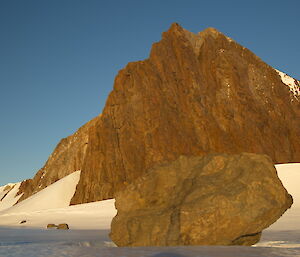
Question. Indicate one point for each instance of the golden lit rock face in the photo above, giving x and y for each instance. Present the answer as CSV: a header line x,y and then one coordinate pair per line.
x,y
195,94
216,199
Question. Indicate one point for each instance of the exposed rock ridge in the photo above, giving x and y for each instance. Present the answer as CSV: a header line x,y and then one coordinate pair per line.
x,y
66,158
195,94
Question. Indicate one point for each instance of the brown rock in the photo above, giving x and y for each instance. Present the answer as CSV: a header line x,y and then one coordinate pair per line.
x,y
195,94
52,226
8,187
63,226
210,200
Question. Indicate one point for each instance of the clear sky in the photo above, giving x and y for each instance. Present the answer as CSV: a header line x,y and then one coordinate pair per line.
x,y
58,59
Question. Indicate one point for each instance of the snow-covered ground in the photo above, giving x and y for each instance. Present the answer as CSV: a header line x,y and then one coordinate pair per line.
x,y
51,206
56,195
89,243
96,215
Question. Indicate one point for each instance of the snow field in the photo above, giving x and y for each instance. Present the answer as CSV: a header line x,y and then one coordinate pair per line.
x,y
51,205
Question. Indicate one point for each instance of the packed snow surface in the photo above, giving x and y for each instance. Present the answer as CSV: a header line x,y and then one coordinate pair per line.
x,y
51,205
18,240
57,195
89,243
97,215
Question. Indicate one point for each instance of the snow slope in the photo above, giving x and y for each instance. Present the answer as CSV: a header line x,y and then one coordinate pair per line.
x,y
57,195
97,215
51,205
8,195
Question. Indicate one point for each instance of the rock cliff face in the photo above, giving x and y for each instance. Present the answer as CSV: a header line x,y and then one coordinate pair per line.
x,y
195,94
67,157
216,199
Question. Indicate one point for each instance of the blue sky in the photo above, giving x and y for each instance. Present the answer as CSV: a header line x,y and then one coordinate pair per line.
x,y
58,59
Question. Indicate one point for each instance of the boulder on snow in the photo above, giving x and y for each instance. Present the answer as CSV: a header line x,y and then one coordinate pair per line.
x,y
51,226
63,226
217,199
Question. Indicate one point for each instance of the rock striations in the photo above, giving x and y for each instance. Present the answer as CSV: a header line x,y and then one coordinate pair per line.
x,y
195,94
217,199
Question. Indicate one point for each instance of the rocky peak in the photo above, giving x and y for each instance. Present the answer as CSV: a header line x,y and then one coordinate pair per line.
x,y
195,94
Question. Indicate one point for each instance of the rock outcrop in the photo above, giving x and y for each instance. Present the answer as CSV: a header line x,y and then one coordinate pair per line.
x,y
63,226
195,94
216,199
51,225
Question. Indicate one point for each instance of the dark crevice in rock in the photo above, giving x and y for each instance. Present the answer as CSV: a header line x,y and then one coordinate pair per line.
x,y
245,239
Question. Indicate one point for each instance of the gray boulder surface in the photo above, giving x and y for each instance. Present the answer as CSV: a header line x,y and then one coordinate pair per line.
x,y
217,199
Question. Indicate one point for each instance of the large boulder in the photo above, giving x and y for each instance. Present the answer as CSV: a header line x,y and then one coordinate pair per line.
x,y
217,199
